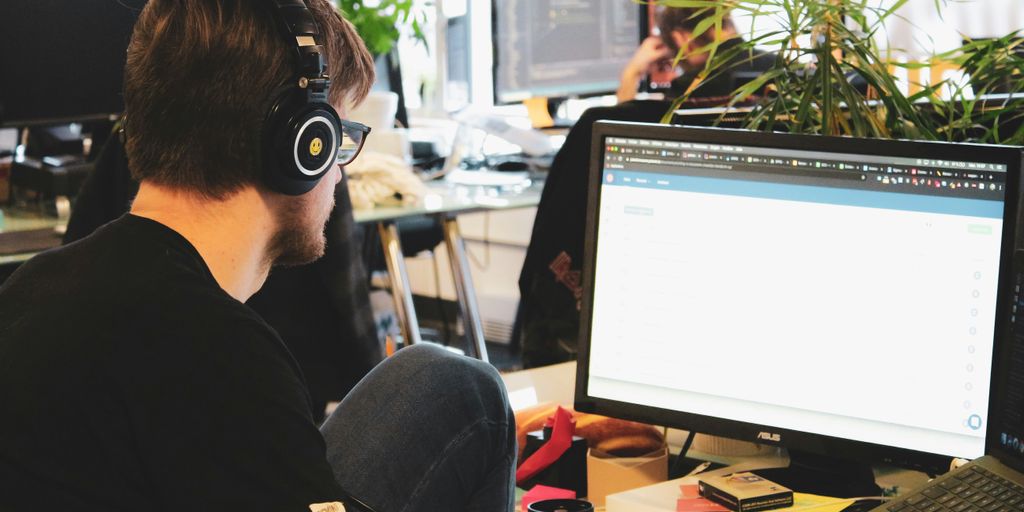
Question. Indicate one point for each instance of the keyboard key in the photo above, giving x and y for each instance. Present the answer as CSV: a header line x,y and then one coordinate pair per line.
x,y
959,488
897,507
933,492
984,501
950,483
992,507
914,499
972,477
999,491
960,507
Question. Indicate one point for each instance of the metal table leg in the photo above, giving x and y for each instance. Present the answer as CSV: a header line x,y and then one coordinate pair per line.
x,y
464,287
400,290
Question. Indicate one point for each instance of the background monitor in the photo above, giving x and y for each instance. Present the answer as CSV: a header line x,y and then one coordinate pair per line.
x,y
561,48
63,60
832,295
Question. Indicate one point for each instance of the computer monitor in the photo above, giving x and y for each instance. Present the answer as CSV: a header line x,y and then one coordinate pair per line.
x,y
837,296
63,60
561,48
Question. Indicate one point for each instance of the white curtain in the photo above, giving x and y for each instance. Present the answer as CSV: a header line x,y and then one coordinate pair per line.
x,y
921,29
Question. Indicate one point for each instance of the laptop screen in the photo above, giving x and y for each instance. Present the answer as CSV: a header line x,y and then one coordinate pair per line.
x,y
837,293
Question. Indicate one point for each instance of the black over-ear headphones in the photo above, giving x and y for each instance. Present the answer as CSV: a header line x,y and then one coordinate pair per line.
x,y
302,131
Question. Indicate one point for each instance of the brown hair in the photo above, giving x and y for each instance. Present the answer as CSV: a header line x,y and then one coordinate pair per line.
x,y
200,77
687,19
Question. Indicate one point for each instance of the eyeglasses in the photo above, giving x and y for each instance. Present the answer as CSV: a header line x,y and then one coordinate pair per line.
x,y
353,135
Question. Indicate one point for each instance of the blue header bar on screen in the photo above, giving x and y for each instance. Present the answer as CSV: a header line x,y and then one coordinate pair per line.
x,y
806,193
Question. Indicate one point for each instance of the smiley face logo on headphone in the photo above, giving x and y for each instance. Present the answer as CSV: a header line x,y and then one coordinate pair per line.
x,y
316,146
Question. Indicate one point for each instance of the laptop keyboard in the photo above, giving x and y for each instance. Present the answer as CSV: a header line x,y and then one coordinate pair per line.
x,y
974,490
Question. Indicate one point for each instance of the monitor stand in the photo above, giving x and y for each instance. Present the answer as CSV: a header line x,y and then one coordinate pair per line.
x,y
823,475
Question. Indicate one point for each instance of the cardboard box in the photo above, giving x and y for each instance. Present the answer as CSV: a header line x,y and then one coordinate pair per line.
x,y
745,492
608,474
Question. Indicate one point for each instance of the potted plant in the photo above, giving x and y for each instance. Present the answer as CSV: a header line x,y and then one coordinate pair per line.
x,y
378,23
813,88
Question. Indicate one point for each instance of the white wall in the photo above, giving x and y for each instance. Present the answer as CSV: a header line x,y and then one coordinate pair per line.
x,y
920,29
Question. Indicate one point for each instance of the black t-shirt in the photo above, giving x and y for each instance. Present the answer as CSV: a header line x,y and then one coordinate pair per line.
x,y
129,380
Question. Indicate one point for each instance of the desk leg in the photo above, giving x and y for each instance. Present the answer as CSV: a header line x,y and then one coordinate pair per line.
x,y
399,277
464,287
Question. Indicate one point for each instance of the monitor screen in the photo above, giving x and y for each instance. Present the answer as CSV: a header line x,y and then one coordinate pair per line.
x,y
63,60
561,48
832,294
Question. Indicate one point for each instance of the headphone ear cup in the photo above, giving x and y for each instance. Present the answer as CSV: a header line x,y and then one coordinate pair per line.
x,y
300,142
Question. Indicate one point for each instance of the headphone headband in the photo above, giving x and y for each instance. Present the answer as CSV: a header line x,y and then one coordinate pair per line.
x,y
302,33
301,132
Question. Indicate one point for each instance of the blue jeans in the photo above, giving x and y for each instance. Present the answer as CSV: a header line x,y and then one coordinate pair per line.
x,y
426,430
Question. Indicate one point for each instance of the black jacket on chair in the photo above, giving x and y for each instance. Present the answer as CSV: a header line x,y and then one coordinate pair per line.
x,y
549,284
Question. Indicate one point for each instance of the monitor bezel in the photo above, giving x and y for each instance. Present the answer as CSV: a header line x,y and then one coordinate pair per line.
x,y
57,94
495,61
1001,373
768,434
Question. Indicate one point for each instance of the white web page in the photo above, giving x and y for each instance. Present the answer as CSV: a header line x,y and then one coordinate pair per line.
x,y
862,323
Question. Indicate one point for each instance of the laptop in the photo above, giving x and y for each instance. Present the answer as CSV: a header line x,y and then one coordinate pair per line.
x,y
994,482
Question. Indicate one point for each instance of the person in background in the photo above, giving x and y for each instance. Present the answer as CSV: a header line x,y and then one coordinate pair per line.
x,y
133,375
550,282
677,27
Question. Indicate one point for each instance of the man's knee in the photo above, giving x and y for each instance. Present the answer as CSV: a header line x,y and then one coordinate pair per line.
x,y
447,372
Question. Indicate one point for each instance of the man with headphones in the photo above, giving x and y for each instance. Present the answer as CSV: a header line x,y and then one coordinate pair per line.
x,y
132,376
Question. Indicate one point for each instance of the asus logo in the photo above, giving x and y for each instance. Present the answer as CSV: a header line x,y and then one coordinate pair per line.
x,y
768,436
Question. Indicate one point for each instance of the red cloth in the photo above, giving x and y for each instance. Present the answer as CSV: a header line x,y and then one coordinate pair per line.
x,y
561,440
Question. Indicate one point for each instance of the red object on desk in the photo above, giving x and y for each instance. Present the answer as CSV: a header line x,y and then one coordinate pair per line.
x,y
561,439
698,505
543,492
692,502
690,491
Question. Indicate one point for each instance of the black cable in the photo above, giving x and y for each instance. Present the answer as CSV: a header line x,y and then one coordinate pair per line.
x,y
677,468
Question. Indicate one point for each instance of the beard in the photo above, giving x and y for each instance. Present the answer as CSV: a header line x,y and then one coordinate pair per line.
x,y
300,239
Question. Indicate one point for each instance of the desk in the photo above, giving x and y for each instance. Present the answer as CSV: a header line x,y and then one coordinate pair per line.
x,y
444,201
557,383
20,222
